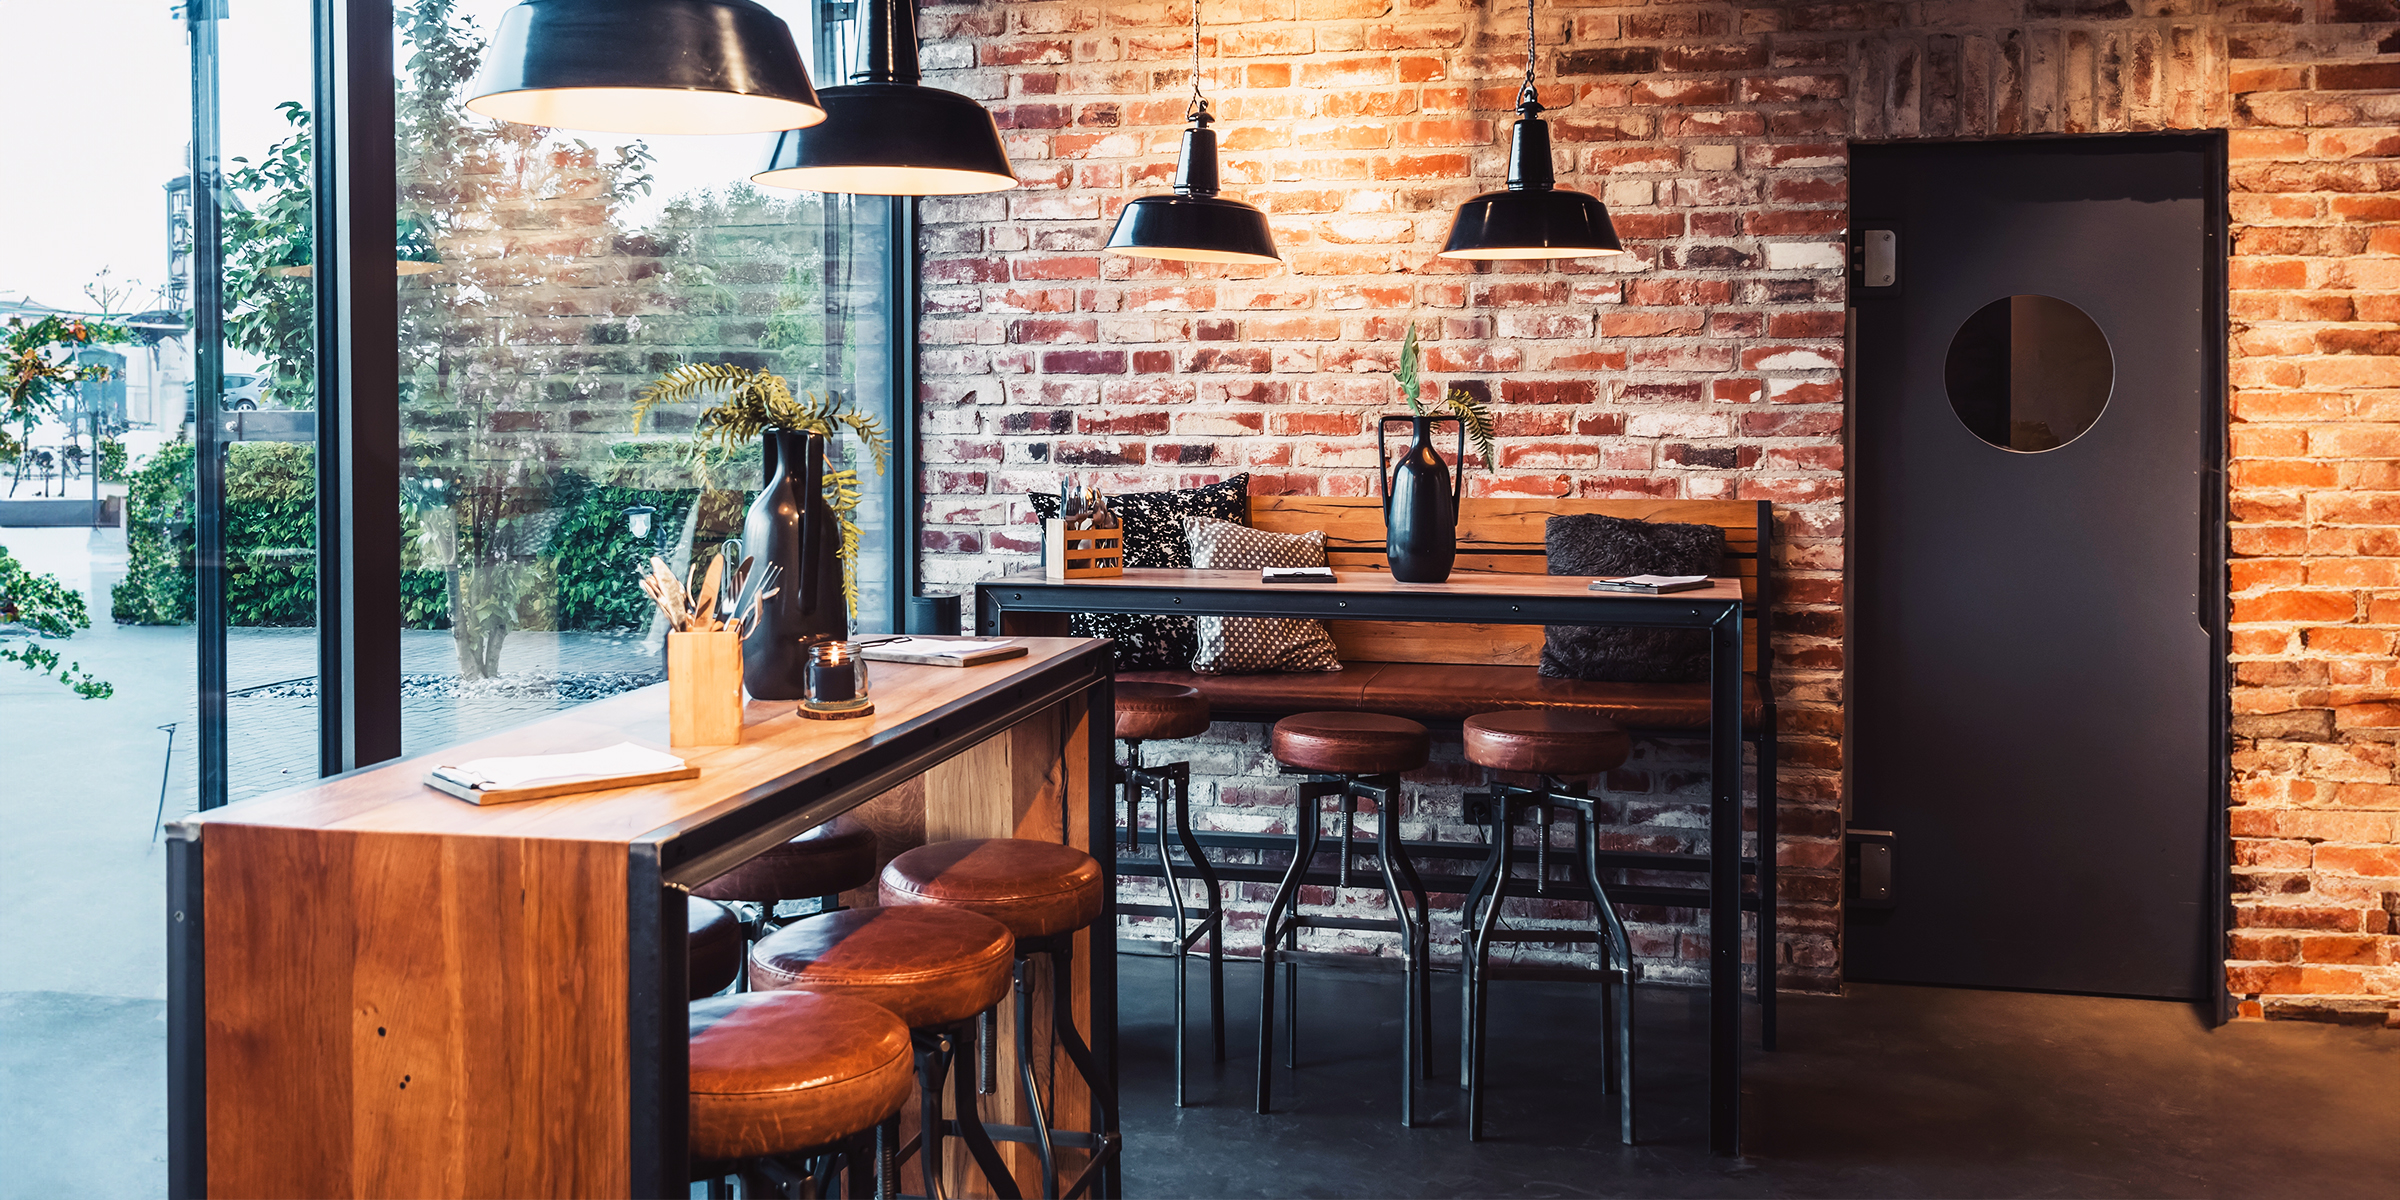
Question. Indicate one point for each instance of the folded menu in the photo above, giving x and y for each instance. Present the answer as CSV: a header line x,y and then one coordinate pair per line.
x,y
538,770
1650,585
942,652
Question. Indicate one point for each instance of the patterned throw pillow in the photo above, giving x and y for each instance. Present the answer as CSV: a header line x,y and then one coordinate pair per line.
x,y
1154,538
1591,544
1254,645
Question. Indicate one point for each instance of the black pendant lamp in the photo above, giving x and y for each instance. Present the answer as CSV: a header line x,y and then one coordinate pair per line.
x,y
888,135
646,67
1194,224
1534,218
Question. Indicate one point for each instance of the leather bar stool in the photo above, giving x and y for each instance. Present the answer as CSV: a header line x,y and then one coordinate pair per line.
x,y
1044,893
1555,746
712,945
1353,755
793,1089
820,864
936,969
1166,712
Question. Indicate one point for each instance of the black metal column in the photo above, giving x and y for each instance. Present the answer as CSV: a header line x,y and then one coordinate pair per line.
x,y
908,508
1725,883
208,386
358,388
187,1028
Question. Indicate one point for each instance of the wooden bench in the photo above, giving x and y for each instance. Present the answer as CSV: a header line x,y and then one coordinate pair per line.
x,y
1447,672
1442,673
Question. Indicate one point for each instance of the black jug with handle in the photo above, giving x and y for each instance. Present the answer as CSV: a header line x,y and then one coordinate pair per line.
x,y
1420,501
792,526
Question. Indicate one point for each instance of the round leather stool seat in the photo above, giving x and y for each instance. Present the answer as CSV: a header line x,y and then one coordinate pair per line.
x,y
1351,743
1035,888
834,857
775,1072
712,945
929,966
1160,711
1546,742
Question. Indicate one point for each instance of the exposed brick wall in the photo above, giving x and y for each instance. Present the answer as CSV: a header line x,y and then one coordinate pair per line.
x,y
1705,363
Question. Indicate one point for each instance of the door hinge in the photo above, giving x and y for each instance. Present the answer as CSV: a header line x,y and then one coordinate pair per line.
x,y
1867,868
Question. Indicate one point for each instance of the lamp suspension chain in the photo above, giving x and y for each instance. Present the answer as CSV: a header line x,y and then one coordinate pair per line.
x,y
1528,92
1199,103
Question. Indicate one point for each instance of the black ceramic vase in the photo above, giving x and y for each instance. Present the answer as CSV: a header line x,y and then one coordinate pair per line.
x,y
792,526
1420,502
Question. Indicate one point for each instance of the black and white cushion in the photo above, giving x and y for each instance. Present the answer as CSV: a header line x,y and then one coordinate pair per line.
x,y
1154,538
1590,544
1255,645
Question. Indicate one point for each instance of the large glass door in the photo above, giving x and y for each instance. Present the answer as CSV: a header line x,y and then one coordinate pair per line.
x,y
548,277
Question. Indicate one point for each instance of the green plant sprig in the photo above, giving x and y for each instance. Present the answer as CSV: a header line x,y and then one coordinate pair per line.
x,y
1471,411
756,402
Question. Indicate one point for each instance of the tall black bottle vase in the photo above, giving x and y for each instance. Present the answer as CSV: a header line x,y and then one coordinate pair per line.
x,y
1420,501
791,526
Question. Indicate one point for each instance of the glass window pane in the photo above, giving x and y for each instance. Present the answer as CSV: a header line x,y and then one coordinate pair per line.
x,y
548,277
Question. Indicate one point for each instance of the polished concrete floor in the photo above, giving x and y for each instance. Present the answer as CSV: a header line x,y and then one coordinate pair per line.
x,y
1888,1091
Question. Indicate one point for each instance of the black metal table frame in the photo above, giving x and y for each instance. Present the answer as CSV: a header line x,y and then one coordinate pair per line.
x,y
996,600
663,866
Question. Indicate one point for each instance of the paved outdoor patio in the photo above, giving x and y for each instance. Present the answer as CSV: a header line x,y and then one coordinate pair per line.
x,y
82,972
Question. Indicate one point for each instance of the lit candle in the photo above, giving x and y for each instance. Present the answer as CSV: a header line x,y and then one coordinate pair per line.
x,y
832,677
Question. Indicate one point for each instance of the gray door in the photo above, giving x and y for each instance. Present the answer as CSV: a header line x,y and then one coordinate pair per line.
x,y
2037,582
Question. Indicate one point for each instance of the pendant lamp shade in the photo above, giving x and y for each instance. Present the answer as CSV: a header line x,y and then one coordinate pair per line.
x,y
1194,224
646,67
1534,218
885,134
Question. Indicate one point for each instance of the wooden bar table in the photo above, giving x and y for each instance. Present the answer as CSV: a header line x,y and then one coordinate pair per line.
x,y
375,989
1025,603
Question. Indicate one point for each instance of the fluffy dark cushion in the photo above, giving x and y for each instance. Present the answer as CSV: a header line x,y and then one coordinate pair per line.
x,y
1154,538
1591,545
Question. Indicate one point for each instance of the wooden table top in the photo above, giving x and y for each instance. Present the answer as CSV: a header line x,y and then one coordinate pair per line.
x,y
778,748
1489,584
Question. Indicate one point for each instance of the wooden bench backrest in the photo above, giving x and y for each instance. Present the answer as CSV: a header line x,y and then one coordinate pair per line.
x,y
1494,535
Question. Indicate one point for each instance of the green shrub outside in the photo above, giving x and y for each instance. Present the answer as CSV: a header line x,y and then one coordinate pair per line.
x,y
112,461
586,582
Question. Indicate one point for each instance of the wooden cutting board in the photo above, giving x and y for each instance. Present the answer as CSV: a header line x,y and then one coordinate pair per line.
x,y
901,653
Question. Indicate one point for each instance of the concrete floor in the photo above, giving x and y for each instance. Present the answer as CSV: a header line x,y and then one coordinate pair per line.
x,y
1888,1091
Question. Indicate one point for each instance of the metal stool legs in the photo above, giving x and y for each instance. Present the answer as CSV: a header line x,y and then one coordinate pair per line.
x,y
1105,1142
938,1051
1480,915
1174,785
1411,911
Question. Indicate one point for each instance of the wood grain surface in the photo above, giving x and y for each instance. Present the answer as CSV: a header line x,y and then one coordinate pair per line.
x,y
407,995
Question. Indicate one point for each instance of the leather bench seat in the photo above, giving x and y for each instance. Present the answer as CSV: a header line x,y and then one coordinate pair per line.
x,y
1454,692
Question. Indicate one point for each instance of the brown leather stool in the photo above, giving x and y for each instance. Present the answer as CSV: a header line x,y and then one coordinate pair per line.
x,y
712,946
820,864
1157,712
1554,746
794,1088
936,969
1352,755
1044,893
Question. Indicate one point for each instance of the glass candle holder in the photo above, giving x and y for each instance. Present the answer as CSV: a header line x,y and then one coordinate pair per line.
x,y
836,684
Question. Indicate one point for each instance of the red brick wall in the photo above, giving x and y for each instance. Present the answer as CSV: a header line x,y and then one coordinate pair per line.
x,y
1706,362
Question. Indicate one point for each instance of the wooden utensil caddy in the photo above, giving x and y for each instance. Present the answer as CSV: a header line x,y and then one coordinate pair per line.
x,y
1081,553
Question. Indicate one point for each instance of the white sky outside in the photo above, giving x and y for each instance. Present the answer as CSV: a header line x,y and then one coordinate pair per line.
x,y
95,114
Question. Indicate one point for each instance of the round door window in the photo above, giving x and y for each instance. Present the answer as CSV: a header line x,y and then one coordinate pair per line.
x,y
2029,373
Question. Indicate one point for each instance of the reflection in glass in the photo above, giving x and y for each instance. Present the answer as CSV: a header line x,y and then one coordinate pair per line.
x,y
568,272
2029,373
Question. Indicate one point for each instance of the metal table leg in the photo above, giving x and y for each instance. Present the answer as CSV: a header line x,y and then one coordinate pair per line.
x,y
1725,883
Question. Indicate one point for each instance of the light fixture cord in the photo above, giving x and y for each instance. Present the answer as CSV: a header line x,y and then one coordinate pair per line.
x,y
1199,104
1525,95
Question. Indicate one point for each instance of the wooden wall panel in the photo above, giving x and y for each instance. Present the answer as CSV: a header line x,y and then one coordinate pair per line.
x,y
442,1016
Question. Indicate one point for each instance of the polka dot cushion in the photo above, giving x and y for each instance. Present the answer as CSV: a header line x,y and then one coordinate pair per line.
x,y
1254,645
1154,538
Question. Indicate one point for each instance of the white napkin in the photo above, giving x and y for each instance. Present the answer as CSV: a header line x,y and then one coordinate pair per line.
x,y
1655,580
530,770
